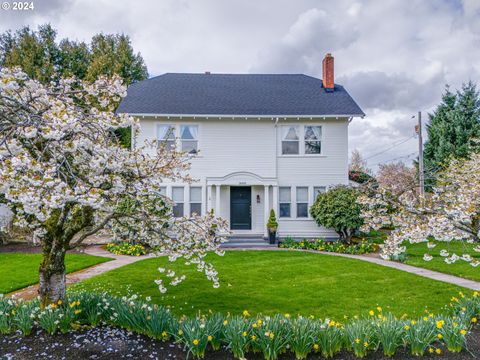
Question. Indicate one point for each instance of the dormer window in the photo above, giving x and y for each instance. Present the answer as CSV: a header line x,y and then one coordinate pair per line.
x,y
189,138
290,140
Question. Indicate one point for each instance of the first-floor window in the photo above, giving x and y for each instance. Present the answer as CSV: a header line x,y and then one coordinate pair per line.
x,y
285,201
178,199
195,201
163,191
302,202
318,190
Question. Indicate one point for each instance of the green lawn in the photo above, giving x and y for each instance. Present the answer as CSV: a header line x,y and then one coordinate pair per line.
x,y
280,281
460,268
18,270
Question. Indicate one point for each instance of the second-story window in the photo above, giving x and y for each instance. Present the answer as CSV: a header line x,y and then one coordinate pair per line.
x,y
313,139
290,140
166,136
189,138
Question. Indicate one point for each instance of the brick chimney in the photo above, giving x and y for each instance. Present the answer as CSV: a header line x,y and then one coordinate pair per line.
x,y
328,74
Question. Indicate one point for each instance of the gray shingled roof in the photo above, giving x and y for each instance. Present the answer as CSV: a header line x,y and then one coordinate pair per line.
x,y
237,94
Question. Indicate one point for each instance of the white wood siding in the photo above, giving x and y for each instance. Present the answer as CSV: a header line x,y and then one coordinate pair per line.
x,y
329,168
254,145
226,146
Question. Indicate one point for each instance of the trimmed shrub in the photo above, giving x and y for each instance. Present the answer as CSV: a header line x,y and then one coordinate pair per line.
x,y
338,209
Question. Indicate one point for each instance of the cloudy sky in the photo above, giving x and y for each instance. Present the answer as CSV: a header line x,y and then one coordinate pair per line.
x,y
394,56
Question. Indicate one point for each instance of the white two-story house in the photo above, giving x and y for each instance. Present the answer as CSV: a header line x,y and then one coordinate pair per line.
x,y
258,142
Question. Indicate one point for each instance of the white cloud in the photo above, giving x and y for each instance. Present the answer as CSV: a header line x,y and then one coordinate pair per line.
x,y
393,56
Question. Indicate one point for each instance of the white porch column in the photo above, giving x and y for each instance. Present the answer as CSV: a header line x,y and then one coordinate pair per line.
x,y
209,198
266,201
217,200
275,200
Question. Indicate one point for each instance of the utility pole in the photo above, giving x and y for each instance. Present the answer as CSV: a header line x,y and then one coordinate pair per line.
x,y
421,174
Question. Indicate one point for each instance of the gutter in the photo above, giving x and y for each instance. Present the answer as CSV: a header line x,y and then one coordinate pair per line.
x,y
271,117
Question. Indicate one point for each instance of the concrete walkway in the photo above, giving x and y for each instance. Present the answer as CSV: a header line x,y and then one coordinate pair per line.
x,y
31,292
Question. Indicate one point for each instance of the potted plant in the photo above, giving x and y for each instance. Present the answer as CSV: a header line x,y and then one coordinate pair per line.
x,y
272,227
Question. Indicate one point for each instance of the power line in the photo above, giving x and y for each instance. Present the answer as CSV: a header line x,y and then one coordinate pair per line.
x,y
394,159
391,147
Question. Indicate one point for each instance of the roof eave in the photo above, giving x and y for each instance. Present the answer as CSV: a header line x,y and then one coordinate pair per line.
x,y
274,116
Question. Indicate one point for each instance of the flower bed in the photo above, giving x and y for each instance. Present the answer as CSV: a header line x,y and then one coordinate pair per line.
x,y
126,248
362,247
271,336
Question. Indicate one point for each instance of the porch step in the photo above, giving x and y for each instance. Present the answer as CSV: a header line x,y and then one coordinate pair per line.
x,y
243,241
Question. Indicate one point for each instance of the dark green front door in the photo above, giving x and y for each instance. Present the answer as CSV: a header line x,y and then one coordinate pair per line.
x,y
240,207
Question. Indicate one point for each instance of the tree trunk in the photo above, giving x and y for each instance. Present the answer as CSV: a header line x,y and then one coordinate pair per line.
x,y
52,276
345,236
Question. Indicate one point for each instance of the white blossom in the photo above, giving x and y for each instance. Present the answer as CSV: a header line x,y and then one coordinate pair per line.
x,y
60,166
450,213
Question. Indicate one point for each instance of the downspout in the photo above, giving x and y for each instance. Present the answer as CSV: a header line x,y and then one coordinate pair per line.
x,y
276,148
348,150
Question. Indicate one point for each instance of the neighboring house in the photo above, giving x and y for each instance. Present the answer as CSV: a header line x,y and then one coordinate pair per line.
x,y
5,216
257,142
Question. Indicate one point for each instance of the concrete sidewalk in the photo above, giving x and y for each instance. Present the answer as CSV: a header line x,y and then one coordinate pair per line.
x,y
118,261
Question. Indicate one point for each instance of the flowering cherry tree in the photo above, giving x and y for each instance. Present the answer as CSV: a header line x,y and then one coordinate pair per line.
x,y
450,212
65,177
396,177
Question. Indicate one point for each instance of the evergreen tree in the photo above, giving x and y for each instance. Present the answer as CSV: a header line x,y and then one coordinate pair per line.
x,y
113,54
44,59
451,129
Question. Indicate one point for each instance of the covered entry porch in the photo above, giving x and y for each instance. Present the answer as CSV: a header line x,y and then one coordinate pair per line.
x,y
244,199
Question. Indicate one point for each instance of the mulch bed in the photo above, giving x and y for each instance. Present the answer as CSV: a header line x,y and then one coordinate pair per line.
x,y
112,343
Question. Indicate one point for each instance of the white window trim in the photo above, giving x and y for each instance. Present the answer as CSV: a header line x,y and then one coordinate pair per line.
x,y
282,202
303,202
190,202
303,140
179,128
185,197
175,132
301,135
178,139
299,139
